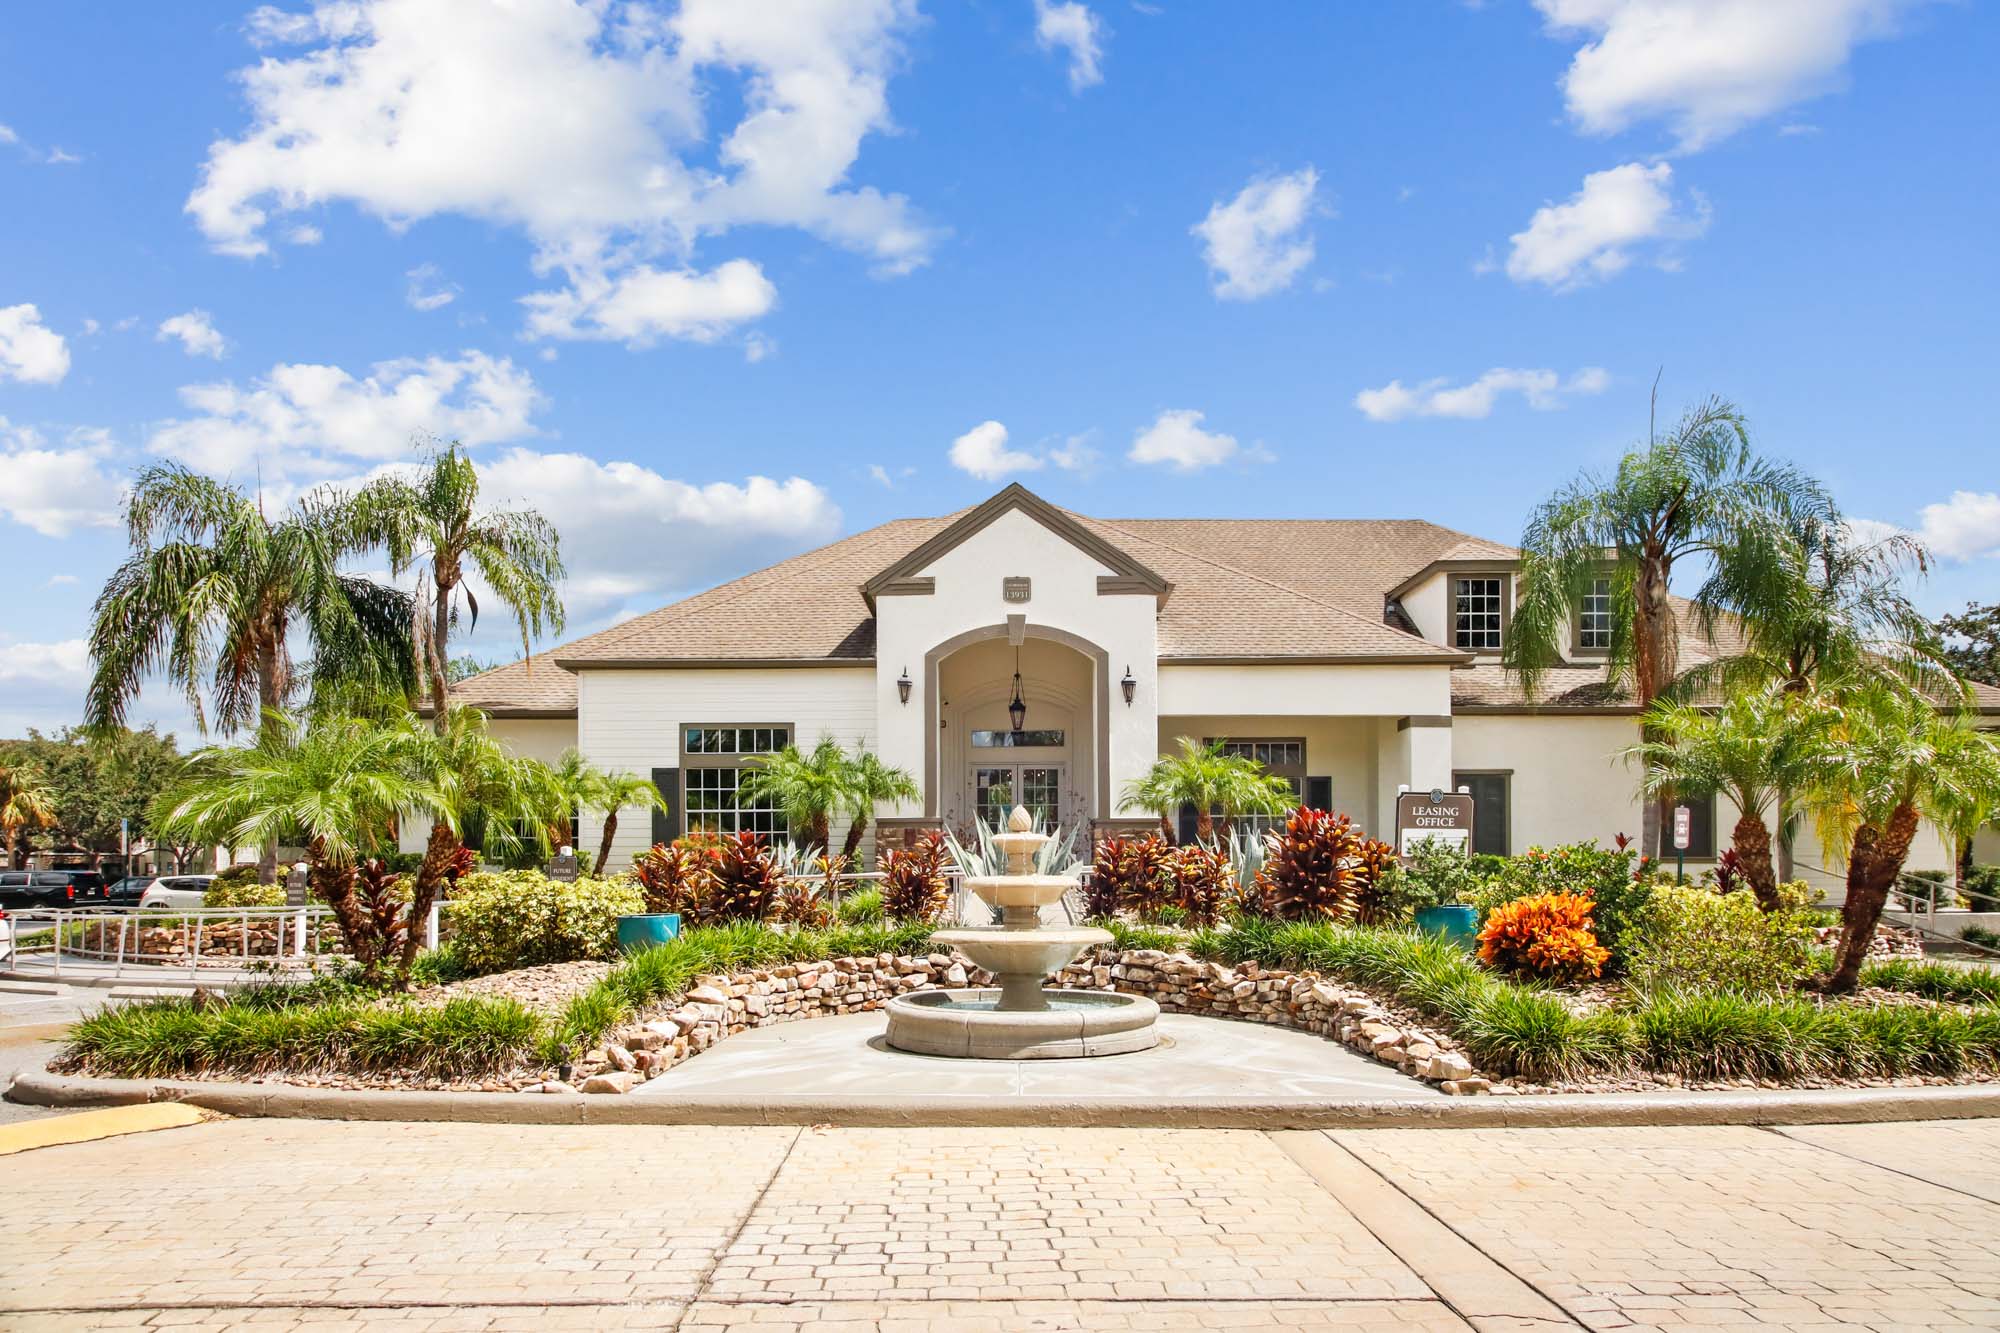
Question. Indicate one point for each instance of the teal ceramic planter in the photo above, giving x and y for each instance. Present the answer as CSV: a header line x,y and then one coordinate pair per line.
x,y
1457,923
646,931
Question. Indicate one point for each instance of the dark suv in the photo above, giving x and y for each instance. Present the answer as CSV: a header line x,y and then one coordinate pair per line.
x,y
53,888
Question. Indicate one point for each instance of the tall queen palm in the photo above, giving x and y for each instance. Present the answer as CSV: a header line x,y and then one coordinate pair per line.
x,y
25,802
1699,492
213,594
434,522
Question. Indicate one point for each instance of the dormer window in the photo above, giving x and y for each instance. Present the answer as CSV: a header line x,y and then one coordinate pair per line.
x,y
1593,619
1478,611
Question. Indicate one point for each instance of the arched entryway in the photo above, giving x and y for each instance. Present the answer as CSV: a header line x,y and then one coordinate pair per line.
x,y
978,765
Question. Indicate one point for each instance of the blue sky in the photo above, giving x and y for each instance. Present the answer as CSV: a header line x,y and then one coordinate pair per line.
x,y
711,283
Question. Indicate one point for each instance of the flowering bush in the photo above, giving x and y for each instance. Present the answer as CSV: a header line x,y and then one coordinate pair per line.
x,y
1549,935
913,881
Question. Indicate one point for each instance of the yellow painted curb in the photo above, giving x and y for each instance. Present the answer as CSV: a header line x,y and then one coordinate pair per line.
x,y
84,1126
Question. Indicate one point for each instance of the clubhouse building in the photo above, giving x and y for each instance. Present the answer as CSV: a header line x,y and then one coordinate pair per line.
x,y
1018,652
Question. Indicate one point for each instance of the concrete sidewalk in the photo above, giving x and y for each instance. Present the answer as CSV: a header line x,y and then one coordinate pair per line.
x,y
291,1223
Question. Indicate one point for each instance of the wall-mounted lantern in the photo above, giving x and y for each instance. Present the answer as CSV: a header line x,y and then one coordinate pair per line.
x,y
903,683
1129,685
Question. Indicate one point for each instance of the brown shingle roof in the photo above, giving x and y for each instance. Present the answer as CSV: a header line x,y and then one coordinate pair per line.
x,y
1243,589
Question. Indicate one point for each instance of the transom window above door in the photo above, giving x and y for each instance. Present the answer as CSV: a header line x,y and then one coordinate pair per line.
x,y
737,740
1014,740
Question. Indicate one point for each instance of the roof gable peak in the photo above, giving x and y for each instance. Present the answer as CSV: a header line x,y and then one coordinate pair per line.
x,y
1009,499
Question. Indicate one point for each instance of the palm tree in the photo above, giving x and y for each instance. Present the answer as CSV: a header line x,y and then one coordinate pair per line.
x,y
586,788
1895,759
1699,492
215,589
1756,749
1211,781
870,783
1840,615
25,802
338,785
806,786
435,522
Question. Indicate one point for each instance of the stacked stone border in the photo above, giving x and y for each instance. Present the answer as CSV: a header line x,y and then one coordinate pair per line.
x,y
717,1007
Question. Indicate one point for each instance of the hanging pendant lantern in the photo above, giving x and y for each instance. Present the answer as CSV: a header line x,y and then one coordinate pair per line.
x,y
1017,711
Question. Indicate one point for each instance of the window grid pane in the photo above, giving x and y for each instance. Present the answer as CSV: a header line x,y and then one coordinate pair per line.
x,y
1594,624
1476,623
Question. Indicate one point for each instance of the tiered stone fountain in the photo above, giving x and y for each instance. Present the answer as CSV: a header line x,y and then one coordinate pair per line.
x,y
1019,1019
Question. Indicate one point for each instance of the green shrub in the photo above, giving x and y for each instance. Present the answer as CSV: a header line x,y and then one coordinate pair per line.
x,y
243,872
1696,939
242,891
1981,888
1981,936
522,918
440,966
1936,981
1615,879
863,907
1430,874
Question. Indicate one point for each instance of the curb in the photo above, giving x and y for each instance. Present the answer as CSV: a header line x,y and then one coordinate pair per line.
x,y
86,1126
1555,1111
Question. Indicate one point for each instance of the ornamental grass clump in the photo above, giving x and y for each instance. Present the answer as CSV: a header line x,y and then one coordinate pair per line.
x,y
1935,981
1308,875
1549,936
914,887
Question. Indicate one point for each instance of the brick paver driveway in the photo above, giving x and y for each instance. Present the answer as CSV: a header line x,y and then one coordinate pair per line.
x,y
280,1224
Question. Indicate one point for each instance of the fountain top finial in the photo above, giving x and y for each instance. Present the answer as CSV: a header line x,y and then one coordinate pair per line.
x,y
1020,821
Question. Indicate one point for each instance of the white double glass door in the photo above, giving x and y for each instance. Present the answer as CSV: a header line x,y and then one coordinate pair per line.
x,y
998,788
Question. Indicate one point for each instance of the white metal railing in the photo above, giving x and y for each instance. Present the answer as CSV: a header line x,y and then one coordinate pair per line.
x,y
100,942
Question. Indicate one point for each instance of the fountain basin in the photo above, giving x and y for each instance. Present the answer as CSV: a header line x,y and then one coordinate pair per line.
x,y
1021,958
973,1024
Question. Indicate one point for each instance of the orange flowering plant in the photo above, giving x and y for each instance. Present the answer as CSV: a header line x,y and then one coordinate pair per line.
x,y
1549,935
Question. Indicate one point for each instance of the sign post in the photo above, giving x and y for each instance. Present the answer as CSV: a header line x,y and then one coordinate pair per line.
x,y
1683,834
563,866
1435,816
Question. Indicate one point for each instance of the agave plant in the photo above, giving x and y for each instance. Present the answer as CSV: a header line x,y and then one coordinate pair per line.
x,y
1309,875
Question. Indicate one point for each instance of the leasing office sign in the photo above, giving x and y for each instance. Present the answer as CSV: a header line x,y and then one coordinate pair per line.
x,y
1440,816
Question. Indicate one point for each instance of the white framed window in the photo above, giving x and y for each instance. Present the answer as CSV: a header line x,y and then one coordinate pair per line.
x,y
1593,619
712,772
1478,612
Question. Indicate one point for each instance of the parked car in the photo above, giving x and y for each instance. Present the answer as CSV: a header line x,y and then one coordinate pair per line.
x,y
176,891
128,891
53,888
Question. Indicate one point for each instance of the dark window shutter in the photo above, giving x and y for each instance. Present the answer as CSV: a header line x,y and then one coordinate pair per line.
x,y
1319,793
1185,825
671,824
1701,830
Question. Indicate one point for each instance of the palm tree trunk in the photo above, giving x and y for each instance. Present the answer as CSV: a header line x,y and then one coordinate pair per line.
x,y
434,665
1204,824
856,828
270,697
1753,848
335,884
1872,868
1653,659
821,831
438,853
604,844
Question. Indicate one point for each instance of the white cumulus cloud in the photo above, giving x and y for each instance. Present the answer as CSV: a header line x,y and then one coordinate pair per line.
x,y
585,125
1707,67
612,515
645,303
66,662
1593,234
1964,527
297,417
1176,438
983,452
55,489
1543,390
30,351
1072,28
196,333
1257,243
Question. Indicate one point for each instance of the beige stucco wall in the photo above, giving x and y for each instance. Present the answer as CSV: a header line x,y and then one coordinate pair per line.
x,y
632,720
1329,690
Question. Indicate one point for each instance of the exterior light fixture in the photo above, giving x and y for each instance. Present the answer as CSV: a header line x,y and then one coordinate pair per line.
x,y
1129,685
1017,711
903,683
